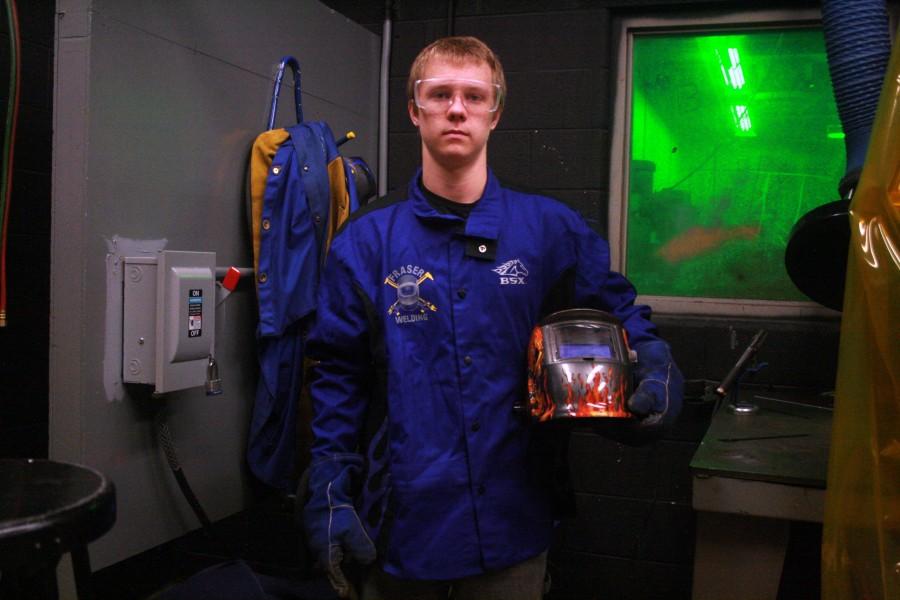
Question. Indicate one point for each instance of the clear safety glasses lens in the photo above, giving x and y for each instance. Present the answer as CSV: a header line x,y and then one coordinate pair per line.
x,y
437,95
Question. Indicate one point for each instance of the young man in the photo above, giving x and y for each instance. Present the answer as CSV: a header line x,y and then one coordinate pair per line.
x,y
427,304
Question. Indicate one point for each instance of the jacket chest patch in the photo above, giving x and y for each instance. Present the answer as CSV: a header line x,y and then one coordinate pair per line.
x,y
512,272
410,306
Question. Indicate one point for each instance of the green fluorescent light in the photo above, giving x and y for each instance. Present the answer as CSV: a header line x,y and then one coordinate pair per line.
x,y
836,135
735,73
741,116
722,67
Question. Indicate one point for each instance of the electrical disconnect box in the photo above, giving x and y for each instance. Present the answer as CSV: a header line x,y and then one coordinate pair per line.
x,y
169,319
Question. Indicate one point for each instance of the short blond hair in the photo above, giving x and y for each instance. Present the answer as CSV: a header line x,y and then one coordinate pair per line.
x,y
459,49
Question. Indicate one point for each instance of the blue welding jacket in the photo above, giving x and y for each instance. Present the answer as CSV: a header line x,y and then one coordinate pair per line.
x,y
454,303
296,205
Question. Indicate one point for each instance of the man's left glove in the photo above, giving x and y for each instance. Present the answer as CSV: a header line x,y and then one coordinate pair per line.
x,y
333,528
657,399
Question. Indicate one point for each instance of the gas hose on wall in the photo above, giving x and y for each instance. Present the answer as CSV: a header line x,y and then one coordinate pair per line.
x,y
6,169
168,446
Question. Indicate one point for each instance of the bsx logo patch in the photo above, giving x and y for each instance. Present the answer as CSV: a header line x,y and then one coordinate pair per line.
x,y
512,272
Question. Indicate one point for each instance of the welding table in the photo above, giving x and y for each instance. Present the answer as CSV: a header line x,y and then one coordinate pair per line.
x,y
752,475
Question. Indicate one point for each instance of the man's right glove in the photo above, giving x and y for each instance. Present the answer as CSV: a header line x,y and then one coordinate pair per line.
x,y
333,529
660,387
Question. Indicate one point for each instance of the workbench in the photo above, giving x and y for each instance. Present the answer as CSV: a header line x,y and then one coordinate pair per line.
x,y
753,474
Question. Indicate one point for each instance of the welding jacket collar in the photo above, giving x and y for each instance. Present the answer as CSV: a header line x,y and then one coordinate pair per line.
x,y
483,221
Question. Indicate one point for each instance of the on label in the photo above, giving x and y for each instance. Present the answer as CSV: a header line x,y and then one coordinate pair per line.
x,y
195,313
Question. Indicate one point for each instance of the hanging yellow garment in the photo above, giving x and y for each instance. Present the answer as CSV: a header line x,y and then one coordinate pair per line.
x,y
861,539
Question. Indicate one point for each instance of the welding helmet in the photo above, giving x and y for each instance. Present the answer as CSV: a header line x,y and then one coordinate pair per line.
x,y
362,178
579,367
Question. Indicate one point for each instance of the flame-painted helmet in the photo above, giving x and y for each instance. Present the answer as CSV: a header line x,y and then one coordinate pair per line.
x,y
579,366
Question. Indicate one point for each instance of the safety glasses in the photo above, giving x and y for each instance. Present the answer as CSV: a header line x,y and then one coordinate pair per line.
x,y
437,95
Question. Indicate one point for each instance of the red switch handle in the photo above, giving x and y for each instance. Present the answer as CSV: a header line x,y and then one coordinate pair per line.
x,y
231,279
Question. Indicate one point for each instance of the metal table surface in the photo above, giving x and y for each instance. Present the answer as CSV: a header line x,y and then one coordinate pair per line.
x,y
752,475
785,441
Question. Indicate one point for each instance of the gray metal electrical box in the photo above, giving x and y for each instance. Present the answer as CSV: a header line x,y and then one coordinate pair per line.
x,y
169,319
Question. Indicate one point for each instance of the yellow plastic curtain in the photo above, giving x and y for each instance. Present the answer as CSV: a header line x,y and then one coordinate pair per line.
x,y
861,539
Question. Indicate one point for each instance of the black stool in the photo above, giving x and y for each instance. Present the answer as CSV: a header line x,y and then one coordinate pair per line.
x,y
48,508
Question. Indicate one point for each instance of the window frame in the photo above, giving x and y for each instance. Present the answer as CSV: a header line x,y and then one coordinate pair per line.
x,y
625,30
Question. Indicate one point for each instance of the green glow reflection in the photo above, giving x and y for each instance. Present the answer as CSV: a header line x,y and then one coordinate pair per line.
x,y
733,138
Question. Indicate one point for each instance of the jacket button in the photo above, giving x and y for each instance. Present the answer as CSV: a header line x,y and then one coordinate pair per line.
x,y
468,360
476,426
481,490
317,219
461,292
482,248
263,278
266,224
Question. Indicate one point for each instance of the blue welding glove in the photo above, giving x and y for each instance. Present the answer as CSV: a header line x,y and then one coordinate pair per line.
x,y
333,529
657,399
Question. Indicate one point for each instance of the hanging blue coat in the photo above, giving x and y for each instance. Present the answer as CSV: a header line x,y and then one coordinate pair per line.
x,y
304,186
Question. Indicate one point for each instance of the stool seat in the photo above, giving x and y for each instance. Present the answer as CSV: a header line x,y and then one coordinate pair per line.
x,y
48,508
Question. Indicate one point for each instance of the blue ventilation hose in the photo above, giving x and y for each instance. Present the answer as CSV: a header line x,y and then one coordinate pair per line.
x,y
858,43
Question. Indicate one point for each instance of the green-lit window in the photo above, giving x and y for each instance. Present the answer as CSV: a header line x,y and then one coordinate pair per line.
x,y
733,137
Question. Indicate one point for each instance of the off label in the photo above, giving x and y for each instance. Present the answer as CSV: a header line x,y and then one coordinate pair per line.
x,y
195,313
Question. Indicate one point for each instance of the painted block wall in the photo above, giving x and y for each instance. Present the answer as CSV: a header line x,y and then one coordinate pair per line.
x,y
156,107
